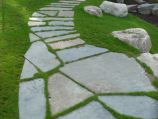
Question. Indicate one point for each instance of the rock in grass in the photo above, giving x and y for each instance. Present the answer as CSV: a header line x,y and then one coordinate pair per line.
x,y
93,10
145,9
116,9
136,37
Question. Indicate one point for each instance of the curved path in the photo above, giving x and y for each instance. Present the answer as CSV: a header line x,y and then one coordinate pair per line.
x,y
73,79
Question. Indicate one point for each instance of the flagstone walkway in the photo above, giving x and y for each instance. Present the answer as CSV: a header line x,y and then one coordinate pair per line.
x,y
80,75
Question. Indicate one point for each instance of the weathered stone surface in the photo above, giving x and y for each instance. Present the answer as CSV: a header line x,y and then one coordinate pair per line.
x,y
73,54
61,23
37,23
145,9
39,55
155,10
60,5
132,8
51,28
108,73
136,37
140,1
93,10
116,9
92,110
47,34
50,18
137,106
64,1
36,14
66,44
58,38
64,93
66,13
50,13
64,4
32,102
33,37
151,61
28,70
55,8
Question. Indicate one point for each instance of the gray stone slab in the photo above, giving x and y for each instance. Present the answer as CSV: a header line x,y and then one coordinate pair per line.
x,y
50,18
55,8
51,28
32,102
64,93
36,14
92,110
73,54
66,13
47,34
63,4
66,44
137,106
60,5
33,37
61,23
39,55
28,70
109,73
65,37
73,2
50,13
36,23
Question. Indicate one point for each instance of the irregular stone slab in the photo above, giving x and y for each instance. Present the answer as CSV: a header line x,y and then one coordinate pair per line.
x,y
92,110
136,37
58,38
33,23
32,102
51,28
64,1
66,44
116,9
150,61
47,34
93,10
64,93
137,106
50,13
66,13
28,70
73,54
36,14
39,55
50,18
55,8
59,5
61,23
109,73
33,37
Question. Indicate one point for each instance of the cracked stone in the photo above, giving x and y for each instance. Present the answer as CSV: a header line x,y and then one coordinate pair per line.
x,y
50,13
61,23
33,37
66,13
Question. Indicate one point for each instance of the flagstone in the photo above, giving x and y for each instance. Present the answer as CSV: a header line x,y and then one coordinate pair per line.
x,y
93,110
36,14
64,4
66,13
64,1
109,73
50,18
138,106
55,8
39,55
33,37
61,23
68,55
50,13
64,93
32,102
60,5
36,23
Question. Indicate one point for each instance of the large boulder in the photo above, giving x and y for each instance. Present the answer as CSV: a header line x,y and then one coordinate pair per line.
x,y
136,37
93,10
145,9
116,9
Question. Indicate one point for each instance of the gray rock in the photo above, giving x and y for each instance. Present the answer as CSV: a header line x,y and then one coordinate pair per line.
x,y
64,93
61,23
136,37
136,106
66,13
116,9
49,18
64,4
73,54
92,110
132,8
108,73
93,10
73,2
36,14
33,37
120,1
155,10
140,1
39,55
55,8
32,102
36,23
145,9
50,13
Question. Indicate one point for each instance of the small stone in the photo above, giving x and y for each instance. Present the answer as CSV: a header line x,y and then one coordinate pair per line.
x,y
36,14
28,70
61,23
39,55
137,106
93,10
116,9
50,13
55,8
33,37
92,110
50,18
109,73
64,93
47,34
65,37
66,13
136,37
33,23
68,55
66,44
32,102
